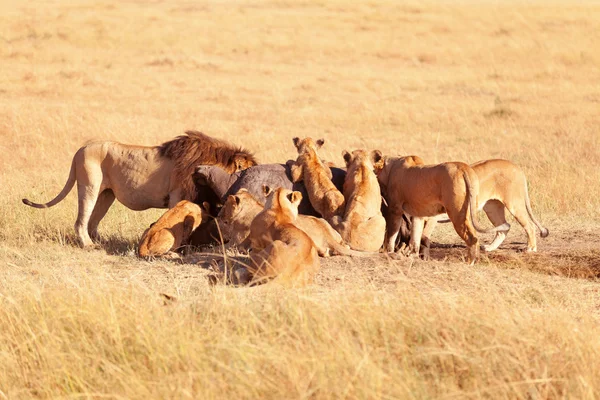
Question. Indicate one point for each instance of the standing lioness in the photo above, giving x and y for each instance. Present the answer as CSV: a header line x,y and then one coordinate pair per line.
x,y
141,177
503,184
423,191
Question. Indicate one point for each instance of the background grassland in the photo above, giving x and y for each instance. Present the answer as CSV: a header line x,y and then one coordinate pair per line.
x,y
459,80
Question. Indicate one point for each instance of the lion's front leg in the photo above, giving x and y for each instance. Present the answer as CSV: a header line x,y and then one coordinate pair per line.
x,y
416,233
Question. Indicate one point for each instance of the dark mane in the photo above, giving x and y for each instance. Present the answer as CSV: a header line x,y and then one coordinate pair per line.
x,y
195,148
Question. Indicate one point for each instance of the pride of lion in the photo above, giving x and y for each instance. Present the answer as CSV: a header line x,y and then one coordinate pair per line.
x,y
283,245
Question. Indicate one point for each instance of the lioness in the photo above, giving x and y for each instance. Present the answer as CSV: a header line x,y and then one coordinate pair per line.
x,y
362,225
141,177
503,184
429,190
279,248
236,216
172,230
322,193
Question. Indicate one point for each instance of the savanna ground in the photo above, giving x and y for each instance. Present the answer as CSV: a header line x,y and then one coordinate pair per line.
x,y
444,80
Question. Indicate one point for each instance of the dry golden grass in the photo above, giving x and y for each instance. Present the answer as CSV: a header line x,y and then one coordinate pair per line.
x,y
447,81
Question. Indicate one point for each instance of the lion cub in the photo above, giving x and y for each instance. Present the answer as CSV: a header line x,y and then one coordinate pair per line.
x,y
280,249
326,199
172,230
362,225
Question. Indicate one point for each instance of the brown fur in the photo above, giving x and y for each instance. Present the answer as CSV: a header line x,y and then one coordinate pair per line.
x,y
503,184
172,230
195,148
362,225
423,191
140,177
240,209
280,249
326,199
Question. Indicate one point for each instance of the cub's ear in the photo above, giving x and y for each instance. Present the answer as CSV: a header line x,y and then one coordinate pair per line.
x,y
295,197
234,199
377,159
347,157
267,190
320,143
296,140
206,206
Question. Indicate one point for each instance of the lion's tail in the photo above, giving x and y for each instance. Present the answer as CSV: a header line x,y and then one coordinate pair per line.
x,y
68,186
543,231
473,206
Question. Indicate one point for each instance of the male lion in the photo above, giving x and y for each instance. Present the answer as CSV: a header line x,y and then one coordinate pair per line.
x,y
322,193
502,184
141,177
279,248
429,190
362,225
172,230
236,216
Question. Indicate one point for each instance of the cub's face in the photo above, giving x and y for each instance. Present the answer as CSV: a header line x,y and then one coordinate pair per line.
x,y
228,214
240,208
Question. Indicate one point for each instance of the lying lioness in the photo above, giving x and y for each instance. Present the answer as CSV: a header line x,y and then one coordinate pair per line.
x,y
279,248
172,230
423,191
362,225
322,193
503,184
240,209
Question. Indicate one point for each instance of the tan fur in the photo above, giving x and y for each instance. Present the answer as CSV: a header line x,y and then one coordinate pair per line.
x,y
423,191
325,198
172,230
240,209
140,177
236,216
362,225
279,248
503,184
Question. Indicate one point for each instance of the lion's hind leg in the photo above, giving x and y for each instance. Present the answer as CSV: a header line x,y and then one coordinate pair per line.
x,y
522,217
494,209
465,229
105,200
161,242
87,197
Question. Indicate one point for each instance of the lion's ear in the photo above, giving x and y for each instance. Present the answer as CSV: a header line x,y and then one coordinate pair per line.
x,y
206,206
235,199
320,143
347,157
295,197
267,190
377,159
296,140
